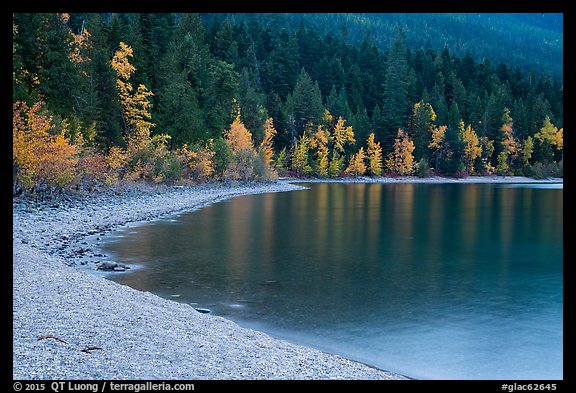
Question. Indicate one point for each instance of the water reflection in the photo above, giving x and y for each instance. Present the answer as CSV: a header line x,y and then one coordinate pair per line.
x,y
435,281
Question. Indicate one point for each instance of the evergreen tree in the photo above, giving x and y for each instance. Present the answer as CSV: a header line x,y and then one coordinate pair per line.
x,y
218,96
184,74
395,103
306,105
453,151
102,80
420,124
252,104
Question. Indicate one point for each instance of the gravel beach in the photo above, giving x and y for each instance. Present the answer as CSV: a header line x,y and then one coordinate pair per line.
x,y
70,324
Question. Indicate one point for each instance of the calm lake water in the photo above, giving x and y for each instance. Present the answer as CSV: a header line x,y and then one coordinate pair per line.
x,y
434,281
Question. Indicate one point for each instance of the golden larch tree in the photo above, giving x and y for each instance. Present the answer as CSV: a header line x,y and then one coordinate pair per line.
x,y
136,105
299,160
437,143
401,158
342,135
472,148
357,165
266,148
238,137
527,150
374,152
319,142
507,140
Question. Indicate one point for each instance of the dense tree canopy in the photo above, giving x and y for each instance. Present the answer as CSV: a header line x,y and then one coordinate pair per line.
x,y
182,82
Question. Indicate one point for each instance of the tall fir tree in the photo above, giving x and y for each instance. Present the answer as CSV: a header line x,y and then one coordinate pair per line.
x,y
395,105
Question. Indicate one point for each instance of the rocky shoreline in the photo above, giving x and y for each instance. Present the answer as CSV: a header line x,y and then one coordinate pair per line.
x,y
69,324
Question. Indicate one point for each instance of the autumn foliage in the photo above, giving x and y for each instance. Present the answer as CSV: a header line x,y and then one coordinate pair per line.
x,y
111,129
401,161
43,161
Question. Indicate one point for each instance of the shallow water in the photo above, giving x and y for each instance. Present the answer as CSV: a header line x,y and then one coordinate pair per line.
x,y
434,281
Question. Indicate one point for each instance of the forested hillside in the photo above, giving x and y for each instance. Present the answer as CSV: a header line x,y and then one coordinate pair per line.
x,y
107,98
533,41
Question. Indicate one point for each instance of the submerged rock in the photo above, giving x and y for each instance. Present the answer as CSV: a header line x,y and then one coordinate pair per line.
x,y
107,266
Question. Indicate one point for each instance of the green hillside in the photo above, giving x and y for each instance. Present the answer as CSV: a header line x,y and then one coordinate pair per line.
x,y
532,41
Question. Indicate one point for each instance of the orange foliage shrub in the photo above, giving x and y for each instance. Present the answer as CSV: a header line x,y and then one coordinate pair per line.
x,y
43,163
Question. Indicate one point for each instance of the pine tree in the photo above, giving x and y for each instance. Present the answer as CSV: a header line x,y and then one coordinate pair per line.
x,y
453,151
218,96
420,126
395,104
307,107
105,107
183,77
253,104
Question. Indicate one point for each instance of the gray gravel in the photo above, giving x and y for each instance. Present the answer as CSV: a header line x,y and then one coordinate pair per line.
x,y
70,324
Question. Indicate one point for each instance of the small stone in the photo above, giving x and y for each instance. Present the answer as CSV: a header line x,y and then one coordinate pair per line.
x,y
108,266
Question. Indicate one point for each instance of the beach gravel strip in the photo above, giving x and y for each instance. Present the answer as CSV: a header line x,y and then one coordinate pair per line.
x,y
70,324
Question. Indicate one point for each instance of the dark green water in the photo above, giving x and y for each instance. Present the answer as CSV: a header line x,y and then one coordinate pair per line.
x,y
445,281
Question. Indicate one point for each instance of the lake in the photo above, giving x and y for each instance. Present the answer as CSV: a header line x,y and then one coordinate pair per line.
x,y
433,281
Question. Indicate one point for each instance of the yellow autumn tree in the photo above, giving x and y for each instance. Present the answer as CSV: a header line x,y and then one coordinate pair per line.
x,y
239,139
357,165
527,150
401,158
507,140
44,163
550,133
319,142
79,44
437,143
198,162
116,161
559,139
136,105
299,160
342,135
549,136
472,148
374,152
266,148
